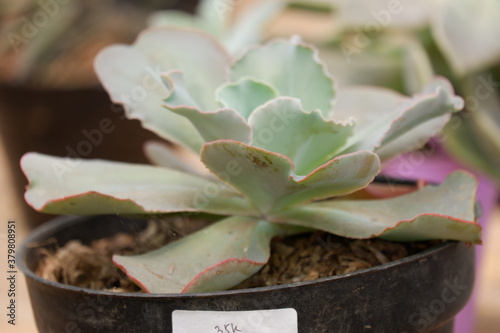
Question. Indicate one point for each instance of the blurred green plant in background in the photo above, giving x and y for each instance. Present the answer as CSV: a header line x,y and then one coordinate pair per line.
x,y
402,44
52,43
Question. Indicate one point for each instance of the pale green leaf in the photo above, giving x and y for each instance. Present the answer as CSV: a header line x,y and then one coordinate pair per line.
x,y
87,187
435,212
215,15
217,125
270,183
417,70
217,18
393,124
469,142
283,127
373,110
467,31
415,138
378,65
132,77
245,95
293,69
211,125
376,15
179,94
427,114
201,59
174,19
249,27
215,258
212,17
473,137
175,157
132,80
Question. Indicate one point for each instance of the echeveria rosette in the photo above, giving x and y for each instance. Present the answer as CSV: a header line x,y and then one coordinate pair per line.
x,y
275,149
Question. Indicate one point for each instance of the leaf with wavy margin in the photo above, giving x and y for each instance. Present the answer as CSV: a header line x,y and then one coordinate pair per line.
x,y
434,212
132,77
211,125
270,183
87,187
282,126
293,69
245,95
392,124
217,125
217,257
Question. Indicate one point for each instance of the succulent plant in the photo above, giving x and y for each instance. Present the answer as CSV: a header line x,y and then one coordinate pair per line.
x,y
280,148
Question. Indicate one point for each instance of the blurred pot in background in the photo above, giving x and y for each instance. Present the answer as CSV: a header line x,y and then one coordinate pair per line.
x,y
50,98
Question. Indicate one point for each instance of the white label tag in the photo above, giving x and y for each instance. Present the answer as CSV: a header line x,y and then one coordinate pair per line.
x,y
262,321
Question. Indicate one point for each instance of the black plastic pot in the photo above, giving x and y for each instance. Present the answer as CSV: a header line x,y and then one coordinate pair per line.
x,y
421,293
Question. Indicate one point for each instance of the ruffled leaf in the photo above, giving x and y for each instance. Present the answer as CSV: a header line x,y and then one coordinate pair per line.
x,y
123,71
391,124
211,125
293,69
132,77
270,183
217,125
201,59
245,95
283,127
88,187
435,212
215,258
179,94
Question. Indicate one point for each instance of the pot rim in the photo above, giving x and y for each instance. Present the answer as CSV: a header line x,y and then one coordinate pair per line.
x,y
52,227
